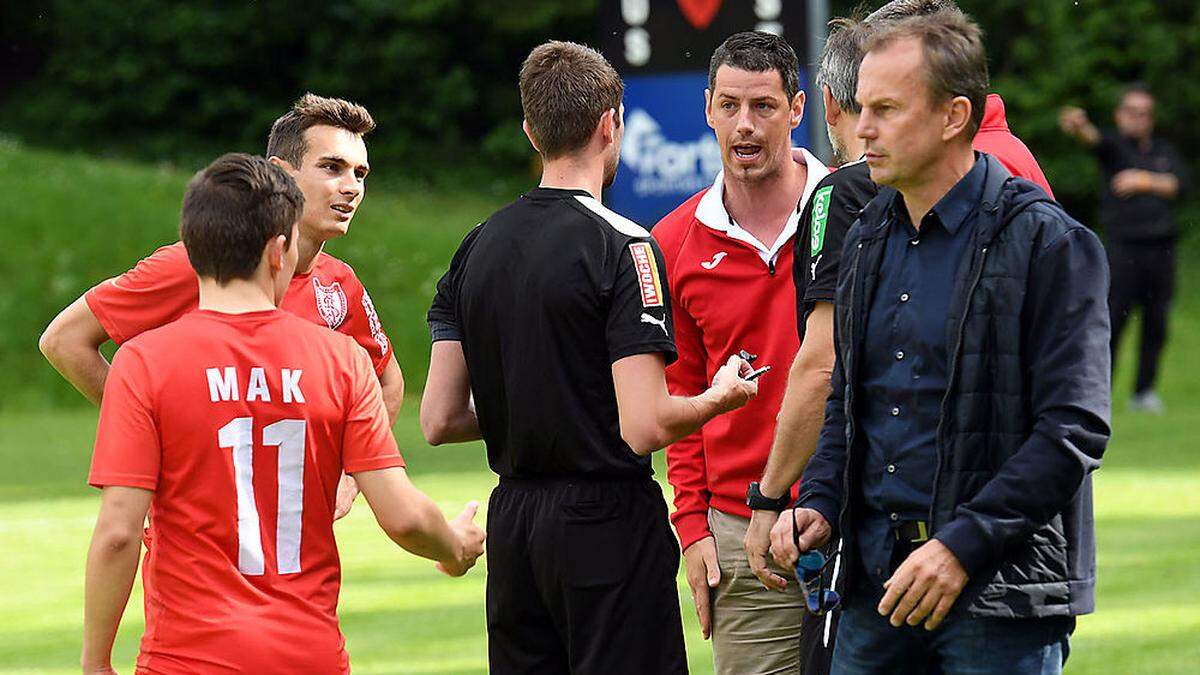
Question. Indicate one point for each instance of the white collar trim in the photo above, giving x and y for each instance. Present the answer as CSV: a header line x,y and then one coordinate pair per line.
x,y
712,213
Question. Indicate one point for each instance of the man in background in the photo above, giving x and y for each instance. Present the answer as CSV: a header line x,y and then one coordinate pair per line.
x,y
1143,174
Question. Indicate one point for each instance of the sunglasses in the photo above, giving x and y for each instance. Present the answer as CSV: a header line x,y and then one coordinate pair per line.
x,y
810,572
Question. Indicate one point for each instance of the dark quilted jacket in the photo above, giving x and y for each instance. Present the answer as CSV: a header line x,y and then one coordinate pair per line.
x,y
1025,419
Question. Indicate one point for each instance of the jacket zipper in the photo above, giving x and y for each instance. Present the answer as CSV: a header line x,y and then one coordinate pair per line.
x,y
962,328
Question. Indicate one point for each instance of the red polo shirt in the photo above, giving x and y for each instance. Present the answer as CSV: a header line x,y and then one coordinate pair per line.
x,y
728,292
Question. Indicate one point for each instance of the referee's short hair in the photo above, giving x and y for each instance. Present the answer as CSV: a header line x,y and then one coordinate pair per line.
x,y
287,133
231,209
954,59
565,88
758,51
902,9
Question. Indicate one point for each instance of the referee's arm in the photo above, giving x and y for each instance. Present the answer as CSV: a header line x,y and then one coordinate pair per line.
x,y
652,419
447,413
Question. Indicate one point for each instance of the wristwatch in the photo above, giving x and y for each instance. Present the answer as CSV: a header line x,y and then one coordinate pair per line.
x,y
758,502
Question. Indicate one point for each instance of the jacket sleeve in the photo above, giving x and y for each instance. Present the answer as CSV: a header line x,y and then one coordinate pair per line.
x,y
685,458
1067,364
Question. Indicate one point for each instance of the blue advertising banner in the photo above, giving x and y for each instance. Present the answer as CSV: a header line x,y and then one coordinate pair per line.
x,y
662,49
669,152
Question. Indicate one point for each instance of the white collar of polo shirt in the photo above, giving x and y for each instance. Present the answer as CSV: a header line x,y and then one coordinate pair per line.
x,y
711,210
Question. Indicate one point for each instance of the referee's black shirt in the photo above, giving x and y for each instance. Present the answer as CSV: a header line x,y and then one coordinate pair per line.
x,y
1143,217
545,295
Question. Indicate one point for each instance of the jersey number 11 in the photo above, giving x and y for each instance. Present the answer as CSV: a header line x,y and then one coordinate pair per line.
x,y
289,437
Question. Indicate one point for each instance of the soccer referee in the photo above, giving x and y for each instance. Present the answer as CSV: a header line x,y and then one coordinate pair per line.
x,y
555,315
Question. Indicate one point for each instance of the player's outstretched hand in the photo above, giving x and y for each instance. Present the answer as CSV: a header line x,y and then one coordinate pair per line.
x,y
730,388
470,537
346,492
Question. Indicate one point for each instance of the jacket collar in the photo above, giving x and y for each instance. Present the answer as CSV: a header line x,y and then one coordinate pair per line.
x,y
712,213
994,117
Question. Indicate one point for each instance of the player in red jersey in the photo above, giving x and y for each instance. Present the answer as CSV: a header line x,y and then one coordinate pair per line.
x,y
232,425
319,142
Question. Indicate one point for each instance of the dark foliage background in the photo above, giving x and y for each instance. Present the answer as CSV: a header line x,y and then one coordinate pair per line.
x,y
172,80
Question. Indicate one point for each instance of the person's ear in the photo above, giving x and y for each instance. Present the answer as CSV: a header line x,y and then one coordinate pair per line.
x,y
797,110
275,250
283,164
529,134
833,112
958,117
708,111
607,127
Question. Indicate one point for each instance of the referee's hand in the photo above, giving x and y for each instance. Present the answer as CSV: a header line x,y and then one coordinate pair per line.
x,y
730,389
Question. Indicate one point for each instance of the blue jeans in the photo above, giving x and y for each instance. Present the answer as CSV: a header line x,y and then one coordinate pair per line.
x,y
962,645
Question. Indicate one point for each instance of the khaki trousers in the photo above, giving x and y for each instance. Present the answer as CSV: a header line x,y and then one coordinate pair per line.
x,y
755,631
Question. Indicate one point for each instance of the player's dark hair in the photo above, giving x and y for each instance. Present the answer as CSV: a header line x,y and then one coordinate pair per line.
x,y
231,209
757,52
565,88
955,63
287,133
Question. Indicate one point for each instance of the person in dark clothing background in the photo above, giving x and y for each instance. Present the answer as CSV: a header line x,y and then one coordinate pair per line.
x,y
1143,174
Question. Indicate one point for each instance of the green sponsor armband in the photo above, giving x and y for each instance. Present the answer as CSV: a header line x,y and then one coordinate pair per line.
x,y
820,214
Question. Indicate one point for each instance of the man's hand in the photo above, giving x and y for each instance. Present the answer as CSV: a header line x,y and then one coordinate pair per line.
x,y
758,544
1074,122
703,574
1130,182
471,539
813,529
924,587
729,388
346,492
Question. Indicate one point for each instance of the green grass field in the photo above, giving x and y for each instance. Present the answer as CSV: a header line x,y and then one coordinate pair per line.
x,y
75,220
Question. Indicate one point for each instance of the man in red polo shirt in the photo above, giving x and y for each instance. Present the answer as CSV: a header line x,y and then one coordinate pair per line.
x,y
319,142
231,425
728,256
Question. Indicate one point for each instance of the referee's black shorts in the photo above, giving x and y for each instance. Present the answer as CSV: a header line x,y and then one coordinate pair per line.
x,y
581,579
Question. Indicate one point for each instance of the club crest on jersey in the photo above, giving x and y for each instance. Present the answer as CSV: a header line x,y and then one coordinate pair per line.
x,y
331,303
646,268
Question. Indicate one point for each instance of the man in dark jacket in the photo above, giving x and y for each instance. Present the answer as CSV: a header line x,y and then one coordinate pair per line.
x,y
971,390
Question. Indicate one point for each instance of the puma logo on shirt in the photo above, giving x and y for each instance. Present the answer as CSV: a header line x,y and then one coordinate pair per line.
x,y
661,323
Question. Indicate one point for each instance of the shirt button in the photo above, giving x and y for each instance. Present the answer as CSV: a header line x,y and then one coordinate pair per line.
x,y
900,355
891,468
895,412
904,297
895,516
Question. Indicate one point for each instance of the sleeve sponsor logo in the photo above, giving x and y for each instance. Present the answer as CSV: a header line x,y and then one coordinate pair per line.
x,y
646,268
820,214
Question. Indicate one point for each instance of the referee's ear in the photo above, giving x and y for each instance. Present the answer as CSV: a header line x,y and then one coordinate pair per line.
x,y
529,134
608,126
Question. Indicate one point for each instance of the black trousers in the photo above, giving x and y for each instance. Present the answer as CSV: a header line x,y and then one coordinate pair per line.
x,y
1143,277
581,579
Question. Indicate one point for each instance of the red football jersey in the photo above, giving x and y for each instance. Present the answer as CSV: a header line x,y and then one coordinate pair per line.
x,y
163,287
241,424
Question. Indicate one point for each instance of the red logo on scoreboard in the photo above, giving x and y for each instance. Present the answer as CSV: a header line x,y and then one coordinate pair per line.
x,y
699,13
647,272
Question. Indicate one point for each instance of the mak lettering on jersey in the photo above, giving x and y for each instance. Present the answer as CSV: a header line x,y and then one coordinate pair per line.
x,y
223,385
647,273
